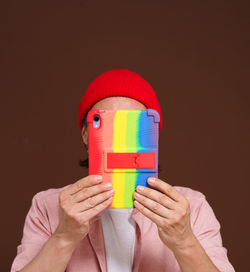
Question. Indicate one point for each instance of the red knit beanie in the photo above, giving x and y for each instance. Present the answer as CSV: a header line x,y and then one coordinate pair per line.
x,y
118,82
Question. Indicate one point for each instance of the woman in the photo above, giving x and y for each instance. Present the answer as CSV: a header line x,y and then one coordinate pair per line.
x,y
170,229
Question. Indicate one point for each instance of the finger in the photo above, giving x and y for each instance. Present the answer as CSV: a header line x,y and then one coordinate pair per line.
x,y
153,206
93,201
165,188
82,183
157,196
91,191
158,220
87,215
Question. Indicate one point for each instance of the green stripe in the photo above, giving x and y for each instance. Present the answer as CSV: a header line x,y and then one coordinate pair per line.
x,y
132,145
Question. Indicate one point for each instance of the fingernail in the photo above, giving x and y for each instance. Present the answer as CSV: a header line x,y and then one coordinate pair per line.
x,y
136,203
98,177
108,185
137,195
151,180
139,188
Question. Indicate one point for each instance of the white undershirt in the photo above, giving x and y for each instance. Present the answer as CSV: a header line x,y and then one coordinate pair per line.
x,y
119,237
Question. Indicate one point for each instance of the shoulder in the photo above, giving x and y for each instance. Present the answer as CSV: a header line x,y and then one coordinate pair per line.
x,y
49,194
196,198
202,213
49,198
190,194
46,205
198,203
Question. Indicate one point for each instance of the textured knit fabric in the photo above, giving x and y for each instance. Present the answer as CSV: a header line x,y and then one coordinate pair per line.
x,y
119,230
150,253
119,82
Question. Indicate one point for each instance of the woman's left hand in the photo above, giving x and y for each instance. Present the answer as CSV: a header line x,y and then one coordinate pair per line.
x,y
169,210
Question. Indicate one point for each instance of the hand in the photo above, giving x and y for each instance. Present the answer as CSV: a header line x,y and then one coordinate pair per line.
x,y
78,203
169,210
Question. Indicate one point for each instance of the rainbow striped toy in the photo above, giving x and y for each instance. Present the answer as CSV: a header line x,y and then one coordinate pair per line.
x,y
124,150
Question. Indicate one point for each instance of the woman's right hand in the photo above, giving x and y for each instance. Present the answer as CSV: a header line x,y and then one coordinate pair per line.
x,y
80,202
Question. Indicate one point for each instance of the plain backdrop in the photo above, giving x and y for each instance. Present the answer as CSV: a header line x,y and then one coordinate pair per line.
x,y
194,54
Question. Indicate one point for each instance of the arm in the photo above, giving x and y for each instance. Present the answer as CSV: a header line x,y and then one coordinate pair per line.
x,y
208,240
196,248
40,250
194,258
54,256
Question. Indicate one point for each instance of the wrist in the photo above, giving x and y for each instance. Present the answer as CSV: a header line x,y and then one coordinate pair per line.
x,y
187,246
63,241
192,257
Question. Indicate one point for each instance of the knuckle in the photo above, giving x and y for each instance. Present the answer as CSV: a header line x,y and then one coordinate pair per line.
x,y
101,206
79,195
155,207
169,189
95,209
63,203
91,202
87,191
183,212
82,195
78,184
174,220
70,211
66,205
186,204
162,199
164,223
162,226
142,208
61,197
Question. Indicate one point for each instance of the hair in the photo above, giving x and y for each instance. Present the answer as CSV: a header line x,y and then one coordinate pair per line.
x,y
85,162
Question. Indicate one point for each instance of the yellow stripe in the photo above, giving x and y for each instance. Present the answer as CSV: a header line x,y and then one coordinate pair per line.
x,y
119,145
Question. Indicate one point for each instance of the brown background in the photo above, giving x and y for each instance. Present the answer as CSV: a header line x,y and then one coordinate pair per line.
x,y
196,57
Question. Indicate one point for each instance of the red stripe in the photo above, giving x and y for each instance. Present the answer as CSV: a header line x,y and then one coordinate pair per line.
x,y
130,160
